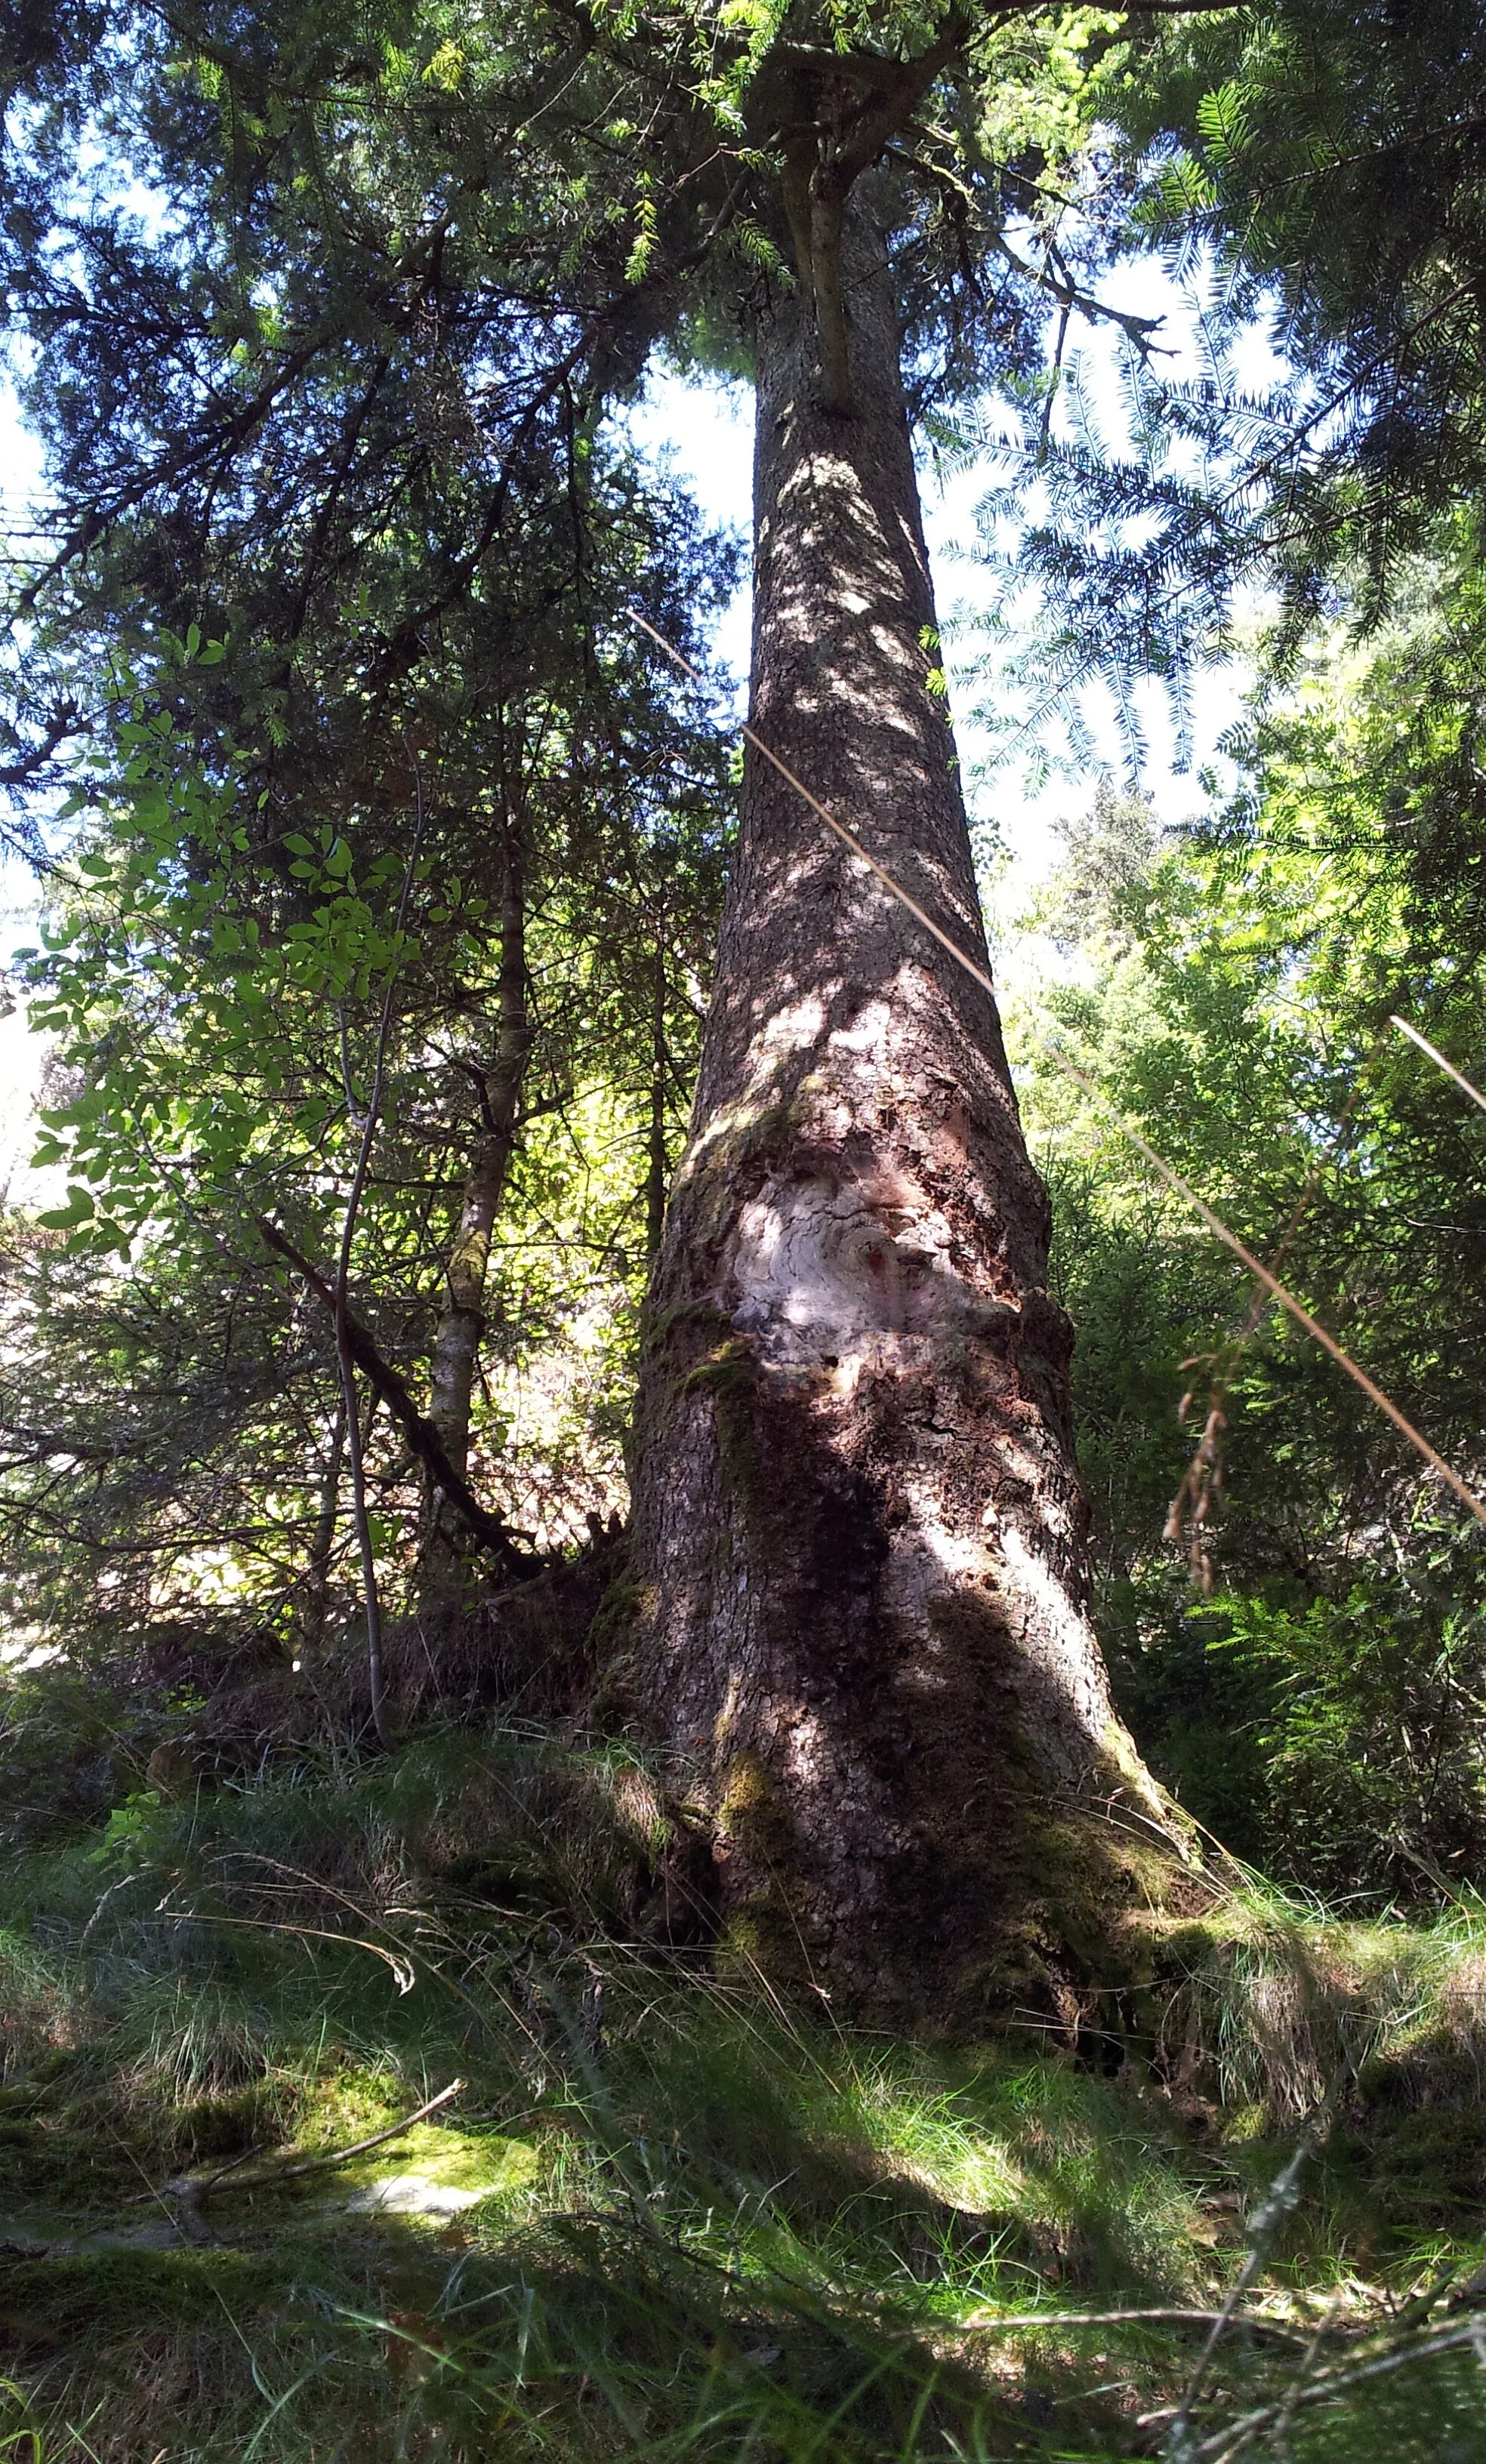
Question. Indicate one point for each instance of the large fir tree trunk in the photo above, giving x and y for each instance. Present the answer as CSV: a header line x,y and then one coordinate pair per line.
x,y
859,1552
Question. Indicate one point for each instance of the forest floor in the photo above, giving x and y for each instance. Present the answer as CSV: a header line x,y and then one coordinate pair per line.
x,y
658,2214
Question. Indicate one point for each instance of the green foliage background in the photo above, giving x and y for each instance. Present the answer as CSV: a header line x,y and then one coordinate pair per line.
x,y
1231,993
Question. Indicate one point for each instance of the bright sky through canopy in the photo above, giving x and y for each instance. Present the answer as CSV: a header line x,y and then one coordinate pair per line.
x,y
708,430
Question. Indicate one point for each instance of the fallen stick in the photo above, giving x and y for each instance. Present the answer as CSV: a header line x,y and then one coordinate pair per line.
x,y
191,2191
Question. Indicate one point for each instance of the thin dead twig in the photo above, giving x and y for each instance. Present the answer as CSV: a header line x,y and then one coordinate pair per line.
x,y
191,2190
1327,2384
421,1435
1284,2190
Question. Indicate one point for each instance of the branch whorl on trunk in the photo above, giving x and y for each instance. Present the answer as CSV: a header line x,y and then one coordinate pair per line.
x,y
836,114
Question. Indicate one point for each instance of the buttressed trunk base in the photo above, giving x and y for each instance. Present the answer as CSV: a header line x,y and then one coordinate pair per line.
x,y
858,1559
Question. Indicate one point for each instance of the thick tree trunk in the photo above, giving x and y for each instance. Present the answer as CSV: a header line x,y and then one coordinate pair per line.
x,y
657,1173
858,1562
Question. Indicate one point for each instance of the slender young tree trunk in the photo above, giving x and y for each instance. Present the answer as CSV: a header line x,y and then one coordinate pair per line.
x,y
456,1340
317,1586
858,1555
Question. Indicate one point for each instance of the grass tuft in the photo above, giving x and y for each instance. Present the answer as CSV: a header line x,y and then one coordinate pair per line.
x,y
667,2216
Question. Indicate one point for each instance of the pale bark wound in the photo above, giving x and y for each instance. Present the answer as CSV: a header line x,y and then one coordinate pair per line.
x,y
858,1564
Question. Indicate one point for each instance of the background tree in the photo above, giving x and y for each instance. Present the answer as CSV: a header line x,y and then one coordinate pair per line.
x,y
1318,1706
217,1025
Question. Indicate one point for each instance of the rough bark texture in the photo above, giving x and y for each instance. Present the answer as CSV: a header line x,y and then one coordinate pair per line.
x,y
442,1562
457,1338
857,1597
658,1173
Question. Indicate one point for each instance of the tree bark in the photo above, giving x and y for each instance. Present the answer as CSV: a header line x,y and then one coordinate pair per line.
x,y
461,1324
657,1172
858,1581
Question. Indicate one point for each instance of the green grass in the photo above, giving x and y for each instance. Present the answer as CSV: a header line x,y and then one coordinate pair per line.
x,y
706,2227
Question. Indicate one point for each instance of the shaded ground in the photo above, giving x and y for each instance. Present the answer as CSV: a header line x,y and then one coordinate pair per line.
x,y
665,2217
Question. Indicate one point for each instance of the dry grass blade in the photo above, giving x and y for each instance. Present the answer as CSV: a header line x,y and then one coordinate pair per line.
x,y
1016,2321
1438,1058
405,1975
1189,1512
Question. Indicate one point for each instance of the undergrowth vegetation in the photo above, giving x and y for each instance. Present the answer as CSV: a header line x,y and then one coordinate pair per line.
x,y
661,2214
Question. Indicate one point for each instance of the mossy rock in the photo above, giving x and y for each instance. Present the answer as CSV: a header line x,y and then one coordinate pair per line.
x,y
489,2162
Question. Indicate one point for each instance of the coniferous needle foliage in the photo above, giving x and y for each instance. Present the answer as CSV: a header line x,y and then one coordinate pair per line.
x,y
1308,415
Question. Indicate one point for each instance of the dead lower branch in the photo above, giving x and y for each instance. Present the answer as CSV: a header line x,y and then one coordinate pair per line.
x,y
420,1433
191,2190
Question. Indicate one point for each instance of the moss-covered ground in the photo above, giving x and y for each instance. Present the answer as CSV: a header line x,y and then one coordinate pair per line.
x,y
665,2216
